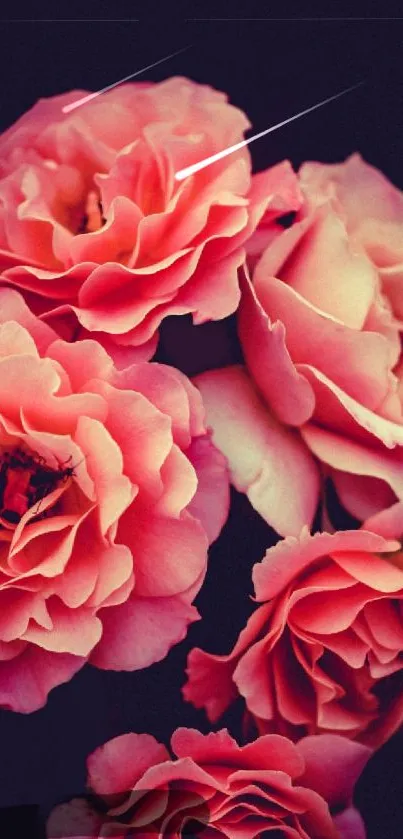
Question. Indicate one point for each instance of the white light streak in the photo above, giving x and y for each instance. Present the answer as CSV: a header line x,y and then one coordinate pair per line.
x,y
77,104
190,170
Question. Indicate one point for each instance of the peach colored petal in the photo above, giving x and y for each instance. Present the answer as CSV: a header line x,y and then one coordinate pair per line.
x,y
13,307
180,483
358,362
268,752
363,191
105,464
290,556
388,523
122,356
140,434
169,553
114,575
119,763
322,613
285,196
56,541
362,497
350,824
254,681
60,285
377,572
210,504
17,608
15,340
333,765
210,684
288,394
118,235
350,276
392,277
141,631
335,408
83,361
355,458
280,249
37,395
266,461
26,680
73,631
213,292
172,393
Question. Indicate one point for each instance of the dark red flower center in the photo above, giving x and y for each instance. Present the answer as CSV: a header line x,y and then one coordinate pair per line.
x,y
25,480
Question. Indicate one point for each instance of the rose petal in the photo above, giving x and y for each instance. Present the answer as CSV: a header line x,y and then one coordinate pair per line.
x,y
266,461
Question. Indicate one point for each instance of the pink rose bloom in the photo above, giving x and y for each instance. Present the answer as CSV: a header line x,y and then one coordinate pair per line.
x,y
323,650
320,331
213,787
109,491
94,223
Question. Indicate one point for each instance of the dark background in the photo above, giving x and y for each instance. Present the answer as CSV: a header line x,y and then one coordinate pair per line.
x,y
271,69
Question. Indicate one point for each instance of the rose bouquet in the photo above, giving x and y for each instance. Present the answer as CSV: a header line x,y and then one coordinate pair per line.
x,y
116,466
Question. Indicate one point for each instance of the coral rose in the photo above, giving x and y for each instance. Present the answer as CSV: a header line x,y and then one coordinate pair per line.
x,y
323,651
320,331
213,787
101,509
94,223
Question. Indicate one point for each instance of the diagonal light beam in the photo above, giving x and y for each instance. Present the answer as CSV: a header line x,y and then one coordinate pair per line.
x,y
195,167
67,108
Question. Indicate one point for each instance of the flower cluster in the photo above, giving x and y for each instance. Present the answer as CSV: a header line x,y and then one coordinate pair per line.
x,y
212,786
115,469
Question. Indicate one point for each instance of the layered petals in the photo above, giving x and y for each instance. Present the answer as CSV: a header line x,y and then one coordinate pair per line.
x,y
213,785
321,652
94,222
101,552
267,461
320,325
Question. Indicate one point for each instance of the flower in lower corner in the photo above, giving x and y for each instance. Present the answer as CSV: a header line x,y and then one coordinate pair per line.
x,y
323,651
210,786
110,490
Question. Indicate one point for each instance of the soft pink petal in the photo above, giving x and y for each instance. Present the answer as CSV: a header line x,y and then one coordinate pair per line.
x,y
266,461
358,362
118,764
350,824
141,631
210,684
290,556
325,253
26,680
355,458
335,408
210,504
360,495
288,394
75,631
170,554
172,393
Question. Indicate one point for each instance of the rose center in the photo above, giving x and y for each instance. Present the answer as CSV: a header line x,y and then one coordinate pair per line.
x,y
93,218
25,480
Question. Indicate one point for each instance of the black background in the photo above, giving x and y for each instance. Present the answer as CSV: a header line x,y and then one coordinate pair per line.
x,y
271,69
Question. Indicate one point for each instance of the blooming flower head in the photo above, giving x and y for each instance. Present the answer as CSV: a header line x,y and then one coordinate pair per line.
x,y
94,223
213,787
324,650
319,325
105,479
